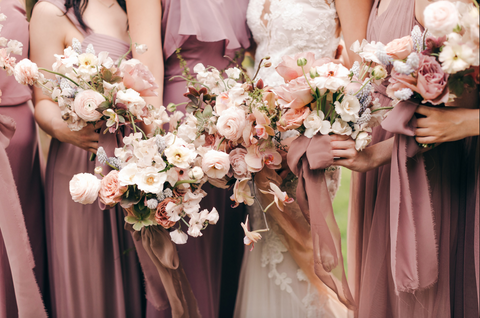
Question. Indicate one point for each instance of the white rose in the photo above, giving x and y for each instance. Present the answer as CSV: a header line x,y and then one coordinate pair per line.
x,y
178,236
231,123
362,139
127,174
149,180
180,155
84,188
196,173
341,127
348,109
315,124
216,164
440,18
26,72
132,99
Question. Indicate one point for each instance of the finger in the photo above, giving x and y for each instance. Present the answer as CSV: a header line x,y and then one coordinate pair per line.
x,y
343,153
343,162
338,145
426,140
424,110
93,145
423,122
423,132
94,137
339,137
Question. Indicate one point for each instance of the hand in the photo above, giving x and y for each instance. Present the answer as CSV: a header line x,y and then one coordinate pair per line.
x,y
345,154
445,124
87,138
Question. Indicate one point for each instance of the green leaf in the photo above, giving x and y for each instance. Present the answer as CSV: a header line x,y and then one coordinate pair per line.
x,y
103,106
121,119
208,111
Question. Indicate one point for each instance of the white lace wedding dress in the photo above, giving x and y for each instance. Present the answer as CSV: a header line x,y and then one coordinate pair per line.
x,y
271,283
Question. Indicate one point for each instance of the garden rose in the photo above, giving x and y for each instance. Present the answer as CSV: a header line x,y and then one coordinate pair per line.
x,y
26,72
86,104
399,49
239,166
110,189
348,109
84,188
215,164
137,77
440,18
362,139
296,94
232,123
161,215
341,127
293,119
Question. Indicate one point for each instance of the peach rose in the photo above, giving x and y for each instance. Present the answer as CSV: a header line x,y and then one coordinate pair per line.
x,y
296,94
400,49
86,104
26,72
293,119
216,164
110,189
137,77
84,188
237,160
232,123
161,215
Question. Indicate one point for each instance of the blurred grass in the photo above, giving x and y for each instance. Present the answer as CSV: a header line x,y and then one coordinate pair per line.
x,y
340,208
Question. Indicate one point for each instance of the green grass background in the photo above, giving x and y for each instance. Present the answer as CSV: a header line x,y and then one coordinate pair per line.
x,y
340,208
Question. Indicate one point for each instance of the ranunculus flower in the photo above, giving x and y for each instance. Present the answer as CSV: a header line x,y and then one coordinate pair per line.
x,y
111,191
399,49
348,109
216,164
293,119
180,154
296,94
84,188
332,76
440,18
231,123
137,77
289,70
86,104
237,160
431,81
26,72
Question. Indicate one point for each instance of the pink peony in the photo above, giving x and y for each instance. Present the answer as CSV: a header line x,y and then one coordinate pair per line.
x,y
237,160
86,104
399,49
430,83
216,164
295,94
110,189
289,70
137,77
293,119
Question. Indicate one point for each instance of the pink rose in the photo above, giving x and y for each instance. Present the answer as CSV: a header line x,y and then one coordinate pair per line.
x,y
84,188
400,49
161,215
216,164
137,77
289,70
293,119
86,104
110,189
26,72
237,160
430,83
232,123
440,18
295,94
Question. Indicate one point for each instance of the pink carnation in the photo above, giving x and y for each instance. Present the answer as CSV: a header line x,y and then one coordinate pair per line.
x,y
137,77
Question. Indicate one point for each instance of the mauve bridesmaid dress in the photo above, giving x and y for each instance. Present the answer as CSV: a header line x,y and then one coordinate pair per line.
x,y
206,31
24,160
94,271
452,177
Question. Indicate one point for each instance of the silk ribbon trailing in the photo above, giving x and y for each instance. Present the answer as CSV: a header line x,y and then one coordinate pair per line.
x,y
14,232
166,282
412,234
308,158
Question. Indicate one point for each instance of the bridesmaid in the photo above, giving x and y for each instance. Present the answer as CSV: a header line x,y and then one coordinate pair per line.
x,y
452,186
24,160
91,272
205,31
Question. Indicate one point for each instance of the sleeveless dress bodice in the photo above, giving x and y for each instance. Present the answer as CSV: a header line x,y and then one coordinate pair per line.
x,y
292,26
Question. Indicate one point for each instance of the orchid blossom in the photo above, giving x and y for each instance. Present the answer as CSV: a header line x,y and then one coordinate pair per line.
x,y
280,197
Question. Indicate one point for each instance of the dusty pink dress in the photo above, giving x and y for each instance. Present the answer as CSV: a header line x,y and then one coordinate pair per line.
x,y
94,270
451,174
206,31
24,160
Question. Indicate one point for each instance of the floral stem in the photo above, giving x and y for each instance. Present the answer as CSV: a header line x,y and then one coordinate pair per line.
x,y
181,218
59,74
381,108
476,3
128,52
218,147
133,124
258,69
363,86
184,181
268,207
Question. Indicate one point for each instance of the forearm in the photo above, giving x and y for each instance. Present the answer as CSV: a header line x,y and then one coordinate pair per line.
x,y
48,117
379,154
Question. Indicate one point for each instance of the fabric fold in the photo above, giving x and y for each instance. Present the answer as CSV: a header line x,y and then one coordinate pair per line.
x,y
15,236
308,158
414,247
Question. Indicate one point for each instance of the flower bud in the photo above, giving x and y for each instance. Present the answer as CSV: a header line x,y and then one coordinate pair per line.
x,y
313,72
260,84
171,107
196,173
379,72
302,61
266,58
267,64
98,170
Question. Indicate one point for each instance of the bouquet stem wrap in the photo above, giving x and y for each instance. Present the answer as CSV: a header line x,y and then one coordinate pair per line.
x,y
412,225
14,232
308,158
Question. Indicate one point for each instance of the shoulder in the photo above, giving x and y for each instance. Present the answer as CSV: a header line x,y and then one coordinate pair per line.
x,y
47,16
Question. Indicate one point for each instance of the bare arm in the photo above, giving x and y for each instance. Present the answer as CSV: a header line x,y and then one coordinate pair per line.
x,y
48,31
353,15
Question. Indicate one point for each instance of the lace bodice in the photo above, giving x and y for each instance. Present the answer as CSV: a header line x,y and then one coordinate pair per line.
x,y
289,27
